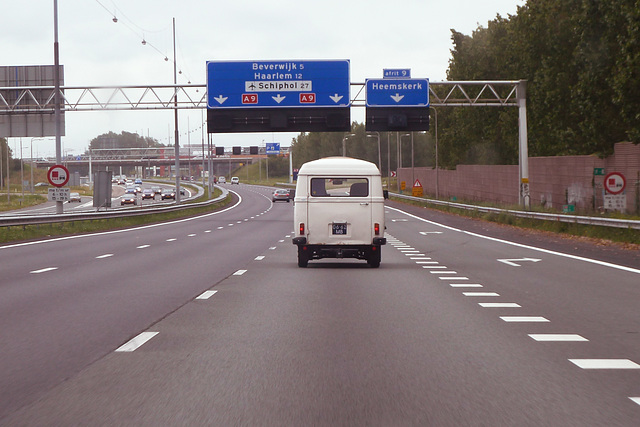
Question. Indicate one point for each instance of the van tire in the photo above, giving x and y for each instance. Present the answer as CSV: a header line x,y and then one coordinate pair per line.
x,y
303,258
374,258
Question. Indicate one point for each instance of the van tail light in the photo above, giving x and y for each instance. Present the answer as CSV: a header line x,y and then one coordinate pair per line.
x,y
376,228
302,228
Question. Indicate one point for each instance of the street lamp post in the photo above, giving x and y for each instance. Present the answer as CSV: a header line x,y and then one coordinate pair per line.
x,y
344,144
377,135
411,135
435,112
175,115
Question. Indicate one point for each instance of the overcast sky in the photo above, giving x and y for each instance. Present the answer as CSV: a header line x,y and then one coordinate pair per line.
x,y
96,51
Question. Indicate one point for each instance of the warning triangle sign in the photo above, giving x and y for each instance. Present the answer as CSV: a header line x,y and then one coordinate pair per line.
x,y
417,183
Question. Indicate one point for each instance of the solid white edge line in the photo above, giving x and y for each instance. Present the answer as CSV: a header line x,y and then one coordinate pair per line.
x,y
520,245
135,342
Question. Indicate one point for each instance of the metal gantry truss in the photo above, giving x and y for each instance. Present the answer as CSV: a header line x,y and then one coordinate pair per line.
x,y
23,99
40,99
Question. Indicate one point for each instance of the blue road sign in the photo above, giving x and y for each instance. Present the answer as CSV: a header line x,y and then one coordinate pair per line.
x,y
273,148
273,84
397,73
397,92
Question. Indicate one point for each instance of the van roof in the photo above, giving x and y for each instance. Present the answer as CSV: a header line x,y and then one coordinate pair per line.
x,y
338,165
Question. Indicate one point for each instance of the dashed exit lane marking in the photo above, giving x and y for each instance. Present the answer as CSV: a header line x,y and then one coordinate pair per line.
x,y
43,270
136,342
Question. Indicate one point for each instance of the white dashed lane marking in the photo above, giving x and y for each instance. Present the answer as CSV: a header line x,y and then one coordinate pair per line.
x,y
558,337
239,272
524,319
136,342
43,270
481,294
605,363
142,246
171,240
104,256
206,295
499,305
259,258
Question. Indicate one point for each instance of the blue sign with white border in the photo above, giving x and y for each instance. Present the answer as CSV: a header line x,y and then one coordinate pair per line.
x,y
273,84
397,93
273,148
397,73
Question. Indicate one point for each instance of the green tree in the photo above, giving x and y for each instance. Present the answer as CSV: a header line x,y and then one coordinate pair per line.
x,y
581,59
125,139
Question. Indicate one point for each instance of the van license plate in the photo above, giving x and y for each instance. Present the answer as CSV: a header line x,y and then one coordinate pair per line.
x,y
339,229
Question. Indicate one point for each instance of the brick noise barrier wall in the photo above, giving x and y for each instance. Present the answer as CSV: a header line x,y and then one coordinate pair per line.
x,y
554,181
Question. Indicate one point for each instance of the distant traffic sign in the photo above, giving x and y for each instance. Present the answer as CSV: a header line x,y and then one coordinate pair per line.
x,y
58,175
397,92
614,183
273,84
273,148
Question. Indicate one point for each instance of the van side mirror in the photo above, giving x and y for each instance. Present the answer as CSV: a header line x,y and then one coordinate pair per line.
x,y
385,193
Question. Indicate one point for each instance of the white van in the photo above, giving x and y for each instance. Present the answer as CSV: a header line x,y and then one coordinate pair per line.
x,y
339,211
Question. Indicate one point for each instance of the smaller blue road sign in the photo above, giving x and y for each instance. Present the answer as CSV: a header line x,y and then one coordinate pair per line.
x,y
397,92
397,73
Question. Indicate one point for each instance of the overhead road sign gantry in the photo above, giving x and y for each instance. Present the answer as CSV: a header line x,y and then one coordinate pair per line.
x,y
400,104
288,95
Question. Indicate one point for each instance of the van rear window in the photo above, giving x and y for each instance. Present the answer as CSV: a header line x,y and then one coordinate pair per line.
x,y
339,187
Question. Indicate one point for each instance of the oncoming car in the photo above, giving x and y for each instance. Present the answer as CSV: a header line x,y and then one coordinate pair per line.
x,y
280,194
168,194
148,193
129,199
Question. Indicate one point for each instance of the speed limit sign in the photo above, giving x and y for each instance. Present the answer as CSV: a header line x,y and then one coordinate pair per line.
x,y
58,175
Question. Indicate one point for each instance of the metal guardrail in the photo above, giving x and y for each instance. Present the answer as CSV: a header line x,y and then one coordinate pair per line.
x,y
575,219
57,218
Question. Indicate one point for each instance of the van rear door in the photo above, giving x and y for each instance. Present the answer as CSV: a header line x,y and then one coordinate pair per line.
x,y
339,211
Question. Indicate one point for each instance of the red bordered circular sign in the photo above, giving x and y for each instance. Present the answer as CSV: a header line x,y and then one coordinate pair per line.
x,y
58,175
615,183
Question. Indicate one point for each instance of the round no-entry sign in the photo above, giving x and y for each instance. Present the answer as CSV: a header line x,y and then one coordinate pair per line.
x,y
614,183
58,175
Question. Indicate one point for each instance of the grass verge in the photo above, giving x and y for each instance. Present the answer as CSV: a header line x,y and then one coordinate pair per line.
x,y
39,231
